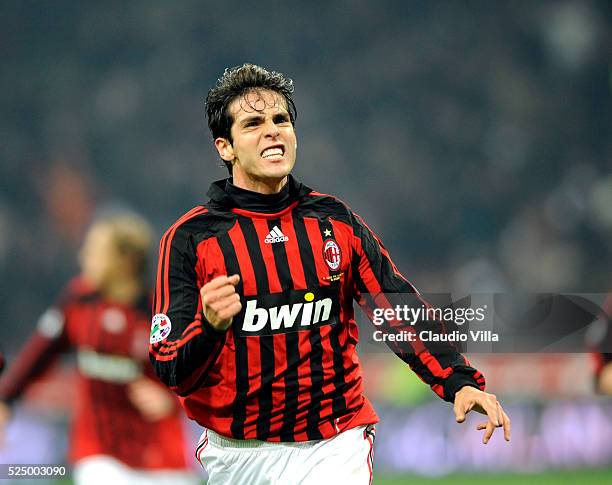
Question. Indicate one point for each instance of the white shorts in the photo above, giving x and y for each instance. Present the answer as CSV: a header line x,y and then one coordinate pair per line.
x,y
104,470
345,458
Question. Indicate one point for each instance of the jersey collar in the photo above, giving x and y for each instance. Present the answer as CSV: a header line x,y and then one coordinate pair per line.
x,y
224,193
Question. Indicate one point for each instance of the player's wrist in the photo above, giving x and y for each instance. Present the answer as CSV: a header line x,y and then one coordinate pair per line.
x,y
213,330
456,382
467,388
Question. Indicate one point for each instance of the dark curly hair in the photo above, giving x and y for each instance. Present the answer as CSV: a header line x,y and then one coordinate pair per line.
x,y
236,82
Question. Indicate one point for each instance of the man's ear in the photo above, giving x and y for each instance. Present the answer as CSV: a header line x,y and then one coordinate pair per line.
x,y
225,149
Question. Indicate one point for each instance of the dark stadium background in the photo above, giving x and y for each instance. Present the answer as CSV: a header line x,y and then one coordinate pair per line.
x,y
474,137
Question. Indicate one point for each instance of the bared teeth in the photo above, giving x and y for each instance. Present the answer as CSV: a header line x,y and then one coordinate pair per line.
x,y
271,152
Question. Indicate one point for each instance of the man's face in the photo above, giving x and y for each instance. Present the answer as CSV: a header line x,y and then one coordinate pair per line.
x,y
98,257
264,142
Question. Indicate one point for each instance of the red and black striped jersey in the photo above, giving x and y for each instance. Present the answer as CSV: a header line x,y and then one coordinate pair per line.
x,y
287,368
111,351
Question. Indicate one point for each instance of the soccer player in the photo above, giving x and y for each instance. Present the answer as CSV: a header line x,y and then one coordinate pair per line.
x,y
253,319
103,315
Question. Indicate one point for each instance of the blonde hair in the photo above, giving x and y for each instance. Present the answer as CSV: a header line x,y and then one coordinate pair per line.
x,y
132,236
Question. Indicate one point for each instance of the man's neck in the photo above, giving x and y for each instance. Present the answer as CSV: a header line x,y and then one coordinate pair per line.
x,y
123,291
262,186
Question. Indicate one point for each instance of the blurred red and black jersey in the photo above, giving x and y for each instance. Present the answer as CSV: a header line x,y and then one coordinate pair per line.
x,y
287,368
110,342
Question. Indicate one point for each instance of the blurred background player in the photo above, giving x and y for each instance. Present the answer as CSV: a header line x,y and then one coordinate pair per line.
x,y
103,316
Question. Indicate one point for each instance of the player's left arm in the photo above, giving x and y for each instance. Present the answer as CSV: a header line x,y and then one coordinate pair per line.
x,y
153,400
449,373
150,396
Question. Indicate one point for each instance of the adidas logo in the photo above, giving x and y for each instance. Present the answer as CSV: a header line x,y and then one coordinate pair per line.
x,y
275,235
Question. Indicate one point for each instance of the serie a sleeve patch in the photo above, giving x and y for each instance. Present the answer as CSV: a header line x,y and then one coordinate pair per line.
x,y
160,328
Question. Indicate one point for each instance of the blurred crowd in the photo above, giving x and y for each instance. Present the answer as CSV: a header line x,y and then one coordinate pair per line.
x,y
475,139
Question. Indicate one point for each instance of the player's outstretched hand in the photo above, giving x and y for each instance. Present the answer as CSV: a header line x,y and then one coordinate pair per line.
x,y
152,400
220,302
469,398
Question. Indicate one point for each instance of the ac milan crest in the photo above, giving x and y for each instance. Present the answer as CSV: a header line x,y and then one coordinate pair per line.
x,y
332,255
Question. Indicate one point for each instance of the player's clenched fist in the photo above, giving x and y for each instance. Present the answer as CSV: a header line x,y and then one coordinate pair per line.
x,y
220,302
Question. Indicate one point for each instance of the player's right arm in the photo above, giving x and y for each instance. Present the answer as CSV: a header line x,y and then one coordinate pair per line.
x,y
34,359
198,317
36,356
